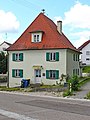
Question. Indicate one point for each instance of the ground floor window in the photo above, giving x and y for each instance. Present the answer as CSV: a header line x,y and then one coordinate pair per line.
x,y
17,73
52,74
75,72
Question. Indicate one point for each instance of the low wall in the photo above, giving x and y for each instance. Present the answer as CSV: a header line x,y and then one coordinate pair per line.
x,y
85,74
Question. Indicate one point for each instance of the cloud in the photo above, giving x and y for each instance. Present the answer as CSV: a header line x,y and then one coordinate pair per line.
x,y
78,16
8,22
76,23
80,37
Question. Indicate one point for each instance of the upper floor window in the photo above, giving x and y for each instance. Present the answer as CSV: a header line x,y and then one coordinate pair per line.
x,y
87,58
17,56
36,36
75,57
52,56
87,52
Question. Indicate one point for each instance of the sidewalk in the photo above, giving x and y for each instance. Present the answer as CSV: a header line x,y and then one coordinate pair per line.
x,y
84,90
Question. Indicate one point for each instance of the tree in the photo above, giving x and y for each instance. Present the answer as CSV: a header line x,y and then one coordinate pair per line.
x,y
3,63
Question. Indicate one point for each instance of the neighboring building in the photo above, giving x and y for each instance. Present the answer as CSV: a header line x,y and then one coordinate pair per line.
x,y
85,56
42,54
4,46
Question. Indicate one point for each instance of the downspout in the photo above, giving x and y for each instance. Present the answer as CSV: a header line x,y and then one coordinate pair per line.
x,y
7,69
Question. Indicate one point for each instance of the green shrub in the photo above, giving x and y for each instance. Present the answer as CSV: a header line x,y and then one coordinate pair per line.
x,y
86,69
88,96
74,83
67,93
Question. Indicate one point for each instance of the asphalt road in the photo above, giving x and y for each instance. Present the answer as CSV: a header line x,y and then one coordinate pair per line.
x,y
28,107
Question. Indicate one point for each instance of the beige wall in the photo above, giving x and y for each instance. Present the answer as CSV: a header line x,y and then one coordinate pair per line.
x,y
38,58
71,64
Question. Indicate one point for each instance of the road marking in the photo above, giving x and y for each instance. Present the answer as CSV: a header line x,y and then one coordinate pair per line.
x,y
15,115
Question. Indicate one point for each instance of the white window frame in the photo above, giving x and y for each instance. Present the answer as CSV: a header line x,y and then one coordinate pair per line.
x,y
36,37
52,74
52,56
87,52
17,73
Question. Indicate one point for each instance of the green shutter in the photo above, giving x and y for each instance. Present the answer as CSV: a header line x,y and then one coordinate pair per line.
x,y
57,74
57,56
13,73
21,73
47,57
13,56
47,74
21,56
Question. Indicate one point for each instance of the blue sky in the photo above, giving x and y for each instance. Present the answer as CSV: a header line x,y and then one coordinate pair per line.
x,y
17,15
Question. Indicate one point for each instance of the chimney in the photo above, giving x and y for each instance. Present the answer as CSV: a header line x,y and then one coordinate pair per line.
x,y
59,27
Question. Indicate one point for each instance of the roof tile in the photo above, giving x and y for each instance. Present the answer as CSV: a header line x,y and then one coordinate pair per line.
x,y
52,39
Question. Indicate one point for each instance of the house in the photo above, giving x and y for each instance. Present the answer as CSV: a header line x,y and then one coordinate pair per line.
x,y
4,46
85,56
42,54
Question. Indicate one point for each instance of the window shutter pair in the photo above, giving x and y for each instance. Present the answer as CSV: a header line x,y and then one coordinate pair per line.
x,y
20,56
13,73
56,74
48,56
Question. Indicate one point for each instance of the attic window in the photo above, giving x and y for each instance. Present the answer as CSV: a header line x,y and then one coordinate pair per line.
x,y
36,36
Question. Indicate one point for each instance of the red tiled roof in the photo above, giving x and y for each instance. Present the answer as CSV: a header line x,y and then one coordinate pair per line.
x,y
52,39
83,45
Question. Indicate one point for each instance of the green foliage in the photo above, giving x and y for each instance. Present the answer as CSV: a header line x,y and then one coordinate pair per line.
x,y
74,83
84,81
67,93
88,96
86,69
3,63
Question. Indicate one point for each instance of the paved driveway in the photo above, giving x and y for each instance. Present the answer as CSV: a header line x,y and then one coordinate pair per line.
x,y
84,90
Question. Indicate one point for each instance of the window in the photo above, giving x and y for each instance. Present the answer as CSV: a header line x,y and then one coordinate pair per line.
x,y
87,58
36,37
75,71
17,73
17,56
52,74
52,56
87,52
75,57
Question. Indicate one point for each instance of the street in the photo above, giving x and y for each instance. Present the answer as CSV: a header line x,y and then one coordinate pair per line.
x,y
28,107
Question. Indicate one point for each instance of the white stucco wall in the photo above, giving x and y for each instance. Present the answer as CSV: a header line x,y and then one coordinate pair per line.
x,y
3,47
84,56
38,58
71,64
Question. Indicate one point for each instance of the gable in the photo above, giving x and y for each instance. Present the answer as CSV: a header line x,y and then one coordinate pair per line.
x,y
51,38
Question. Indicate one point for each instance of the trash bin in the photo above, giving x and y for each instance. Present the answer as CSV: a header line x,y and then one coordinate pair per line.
x,y
65,84
25,83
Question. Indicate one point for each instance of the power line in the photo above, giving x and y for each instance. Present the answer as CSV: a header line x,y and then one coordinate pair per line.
x,y
26,4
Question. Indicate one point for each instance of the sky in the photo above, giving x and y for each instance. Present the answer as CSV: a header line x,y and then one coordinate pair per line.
x,y
17,15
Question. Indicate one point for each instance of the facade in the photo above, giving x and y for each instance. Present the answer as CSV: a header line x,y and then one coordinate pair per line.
x,y
85,56
4,46
42,54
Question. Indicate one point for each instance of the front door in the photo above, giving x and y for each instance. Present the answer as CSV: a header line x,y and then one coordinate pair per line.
x,y
37,76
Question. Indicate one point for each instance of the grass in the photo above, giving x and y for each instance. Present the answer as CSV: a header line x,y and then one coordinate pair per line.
x,y
86,69
84,81
4,88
